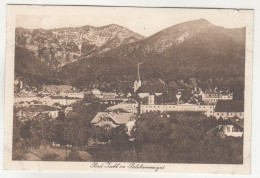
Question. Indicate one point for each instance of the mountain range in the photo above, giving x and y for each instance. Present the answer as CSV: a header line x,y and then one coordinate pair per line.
x,y
107,57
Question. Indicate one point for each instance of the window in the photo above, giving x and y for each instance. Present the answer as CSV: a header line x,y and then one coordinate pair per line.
x,y
132,119
228,129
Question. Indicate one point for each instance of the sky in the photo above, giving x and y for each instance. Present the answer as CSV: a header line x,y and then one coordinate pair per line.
x,y
145,21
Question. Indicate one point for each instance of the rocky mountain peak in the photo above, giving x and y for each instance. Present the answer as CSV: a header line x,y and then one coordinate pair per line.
x,y
60,46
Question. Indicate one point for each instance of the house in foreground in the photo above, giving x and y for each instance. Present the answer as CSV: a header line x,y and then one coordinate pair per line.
x,y
113,119
234,127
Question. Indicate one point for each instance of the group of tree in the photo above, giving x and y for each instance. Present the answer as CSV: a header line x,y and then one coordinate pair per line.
x,y
174,138
186,137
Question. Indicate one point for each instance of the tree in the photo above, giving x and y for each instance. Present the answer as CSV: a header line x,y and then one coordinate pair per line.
x,y
152,127
120,139
19,143
153,153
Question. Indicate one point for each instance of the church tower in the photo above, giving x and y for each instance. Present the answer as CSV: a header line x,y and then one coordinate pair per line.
x,y
137,83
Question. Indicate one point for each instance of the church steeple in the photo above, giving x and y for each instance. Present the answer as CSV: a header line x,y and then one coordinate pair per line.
x,y
138,72
137,83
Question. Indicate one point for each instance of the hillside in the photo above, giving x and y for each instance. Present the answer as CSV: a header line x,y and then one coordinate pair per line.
x,y
32,71
58,47
191,49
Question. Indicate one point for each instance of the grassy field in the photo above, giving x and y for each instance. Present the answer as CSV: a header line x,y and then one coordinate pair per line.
x,y
39,154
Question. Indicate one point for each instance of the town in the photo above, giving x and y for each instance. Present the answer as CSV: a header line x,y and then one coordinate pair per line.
x,y
113,110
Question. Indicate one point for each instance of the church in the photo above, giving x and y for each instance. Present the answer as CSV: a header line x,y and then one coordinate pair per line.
x,y
147,88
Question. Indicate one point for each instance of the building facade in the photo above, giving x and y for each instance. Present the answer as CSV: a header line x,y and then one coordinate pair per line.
x,y
229,108
208,110
129,106
213,97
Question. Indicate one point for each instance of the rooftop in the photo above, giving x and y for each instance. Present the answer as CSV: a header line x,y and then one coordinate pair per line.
x,y
229,106
118,118
151,88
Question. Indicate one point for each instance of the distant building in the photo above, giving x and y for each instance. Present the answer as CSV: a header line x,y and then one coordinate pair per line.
x,y
108,96
25,99
143,90
73,94
229,108
64,101
130,106
146,89
28,103
96,92
111,99
212,97
32,111
113,119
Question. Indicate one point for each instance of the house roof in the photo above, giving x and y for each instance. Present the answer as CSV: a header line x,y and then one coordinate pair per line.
x,y
118,118
236,121
64,97
130,101
151,88
230,106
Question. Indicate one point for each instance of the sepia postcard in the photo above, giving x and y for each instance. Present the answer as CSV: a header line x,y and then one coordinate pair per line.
x,y
128,89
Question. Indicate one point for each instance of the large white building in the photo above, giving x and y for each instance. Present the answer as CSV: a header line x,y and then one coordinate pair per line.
x,y
208,110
